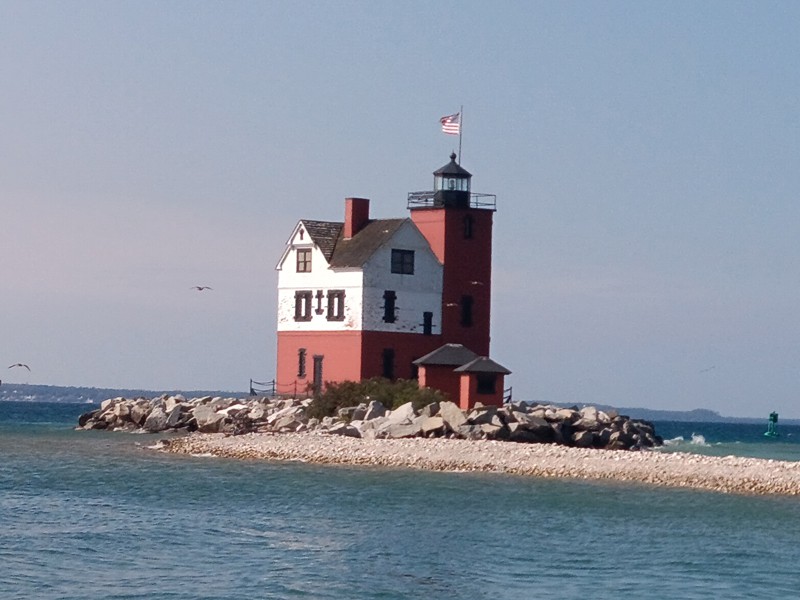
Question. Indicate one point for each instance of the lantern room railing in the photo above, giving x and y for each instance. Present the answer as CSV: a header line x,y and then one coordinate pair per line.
x,y
425,199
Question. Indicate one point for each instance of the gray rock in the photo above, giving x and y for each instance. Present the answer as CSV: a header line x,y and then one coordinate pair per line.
x,y
156,420
139,411
174,418
430,410
431,425
208,419
374,410
482,415
470,432
345,429
402,413
453,416
399,430
583,439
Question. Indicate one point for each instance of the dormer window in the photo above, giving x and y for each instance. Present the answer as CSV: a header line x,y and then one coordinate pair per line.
x,y
304,260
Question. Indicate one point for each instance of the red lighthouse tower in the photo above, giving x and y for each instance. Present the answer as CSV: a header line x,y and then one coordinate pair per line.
x,y
458,226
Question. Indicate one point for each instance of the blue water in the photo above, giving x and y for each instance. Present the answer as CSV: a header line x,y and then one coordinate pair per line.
x,y
91,515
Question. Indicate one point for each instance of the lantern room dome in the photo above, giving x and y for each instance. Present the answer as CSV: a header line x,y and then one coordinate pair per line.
x,y
451,184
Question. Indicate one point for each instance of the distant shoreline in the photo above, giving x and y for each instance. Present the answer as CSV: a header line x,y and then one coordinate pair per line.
x,y
729,474
83,395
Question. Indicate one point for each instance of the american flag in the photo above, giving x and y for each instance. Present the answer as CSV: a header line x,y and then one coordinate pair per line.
x,y
451,124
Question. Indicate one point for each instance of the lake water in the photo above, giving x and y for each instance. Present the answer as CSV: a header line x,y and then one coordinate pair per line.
x,y
91,515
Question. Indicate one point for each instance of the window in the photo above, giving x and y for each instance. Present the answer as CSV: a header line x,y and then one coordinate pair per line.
x,y
318,373
466,310
335,305
304,260
469,227
403,262
487,383
389,298
388,363
427,323
302,305
301,362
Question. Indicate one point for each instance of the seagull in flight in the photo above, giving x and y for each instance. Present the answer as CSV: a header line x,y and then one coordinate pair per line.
x,y
19,365
476,282
200,288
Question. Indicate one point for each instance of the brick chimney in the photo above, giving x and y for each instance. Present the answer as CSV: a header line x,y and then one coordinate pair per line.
x,y
356,215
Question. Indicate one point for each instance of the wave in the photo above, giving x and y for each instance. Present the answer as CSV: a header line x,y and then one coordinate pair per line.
x,y
696,440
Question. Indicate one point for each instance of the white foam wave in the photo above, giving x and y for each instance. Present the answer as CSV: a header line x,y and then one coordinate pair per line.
x,y
696,440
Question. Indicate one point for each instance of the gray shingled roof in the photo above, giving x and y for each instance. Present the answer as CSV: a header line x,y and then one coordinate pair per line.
x,y
452,355
482,364
324,234
357,250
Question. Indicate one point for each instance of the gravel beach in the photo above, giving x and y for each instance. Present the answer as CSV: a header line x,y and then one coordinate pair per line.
x,y
728,474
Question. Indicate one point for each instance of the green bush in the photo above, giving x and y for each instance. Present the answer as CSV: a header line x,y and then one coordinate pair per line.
x,y
389,393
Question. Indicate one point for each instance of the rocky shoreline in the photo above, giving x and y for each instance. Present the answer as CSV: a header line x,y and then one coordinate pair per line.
x,y
557,442
533,424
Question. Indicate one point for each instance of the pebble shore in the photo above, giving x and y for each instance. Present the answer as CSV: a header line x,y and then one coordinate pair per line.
x,y
728,474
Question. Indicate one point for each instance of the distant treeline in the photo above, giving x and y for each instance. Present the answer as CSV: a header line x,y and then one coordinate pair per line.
x,y
24,392
54,393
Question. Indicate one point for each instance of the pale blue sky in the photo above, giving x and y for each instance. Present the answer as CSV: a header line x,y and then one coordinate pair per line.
x,y
644,155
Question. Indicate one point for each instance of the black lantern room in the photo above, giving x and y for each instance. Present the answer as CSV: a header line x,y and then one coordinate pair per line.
x,y
451,185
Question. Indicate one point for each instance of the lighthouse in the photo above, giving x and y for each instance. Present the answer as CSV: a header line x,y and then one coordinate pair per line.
x,y
458,227
404,298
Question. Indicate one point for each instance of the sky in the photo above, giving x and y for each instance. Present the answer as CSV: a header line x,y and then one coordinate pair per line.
x,y
644,156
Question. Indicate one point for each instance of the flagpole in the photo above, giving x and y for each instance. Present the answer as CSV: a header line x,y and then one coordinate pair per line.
x,y
460,131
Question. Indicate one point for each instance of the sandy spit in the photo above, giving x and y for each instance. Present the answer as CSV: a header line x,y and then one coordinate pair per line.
x,y
729,474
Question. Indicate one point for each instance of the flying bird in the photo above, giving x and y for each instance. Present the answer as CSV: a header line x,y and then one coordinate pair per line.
x,y
19,365
200,288
711,368
476,282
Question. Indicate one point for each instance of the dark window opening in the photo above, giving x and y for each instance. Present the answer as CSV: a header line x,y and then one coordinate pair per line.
x,y
403,262
427,323
487,383
304,260
319,296
302,305
388,363
467,303
389,298
335,305
318,373
469,227
301,362
414,371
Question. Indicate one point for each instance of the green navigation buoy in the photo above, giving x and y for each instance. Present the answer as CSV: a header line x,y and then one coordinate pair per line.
x,y
772,426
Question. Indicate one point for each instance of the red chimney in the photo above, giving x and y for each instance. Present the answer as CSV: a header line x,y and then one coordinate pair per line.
x,y
356,215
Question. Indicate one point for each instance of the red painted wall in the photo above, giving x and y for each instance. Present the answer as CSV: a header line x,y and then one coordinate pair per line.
x,y
470,395
341,351
467,270
442,378
407,348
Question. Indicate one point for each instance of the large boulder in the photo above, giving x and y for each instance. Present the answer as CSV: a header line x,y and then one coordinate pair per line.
x,y
432,425
156,421
453,417
208,419
402,414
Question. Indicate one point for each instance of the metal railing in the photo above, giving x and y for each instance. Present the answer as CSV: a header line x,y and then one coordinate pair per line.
x,y
507,395
425,199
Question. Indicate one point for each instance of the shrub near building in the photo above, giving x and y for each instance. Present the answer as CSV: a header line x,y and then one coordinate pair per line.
x,y
391,394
